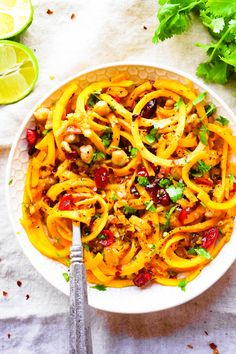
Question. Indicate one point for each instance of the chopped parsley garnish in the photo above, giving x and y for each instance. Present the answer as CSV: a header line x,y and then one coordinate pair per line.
x,y
10,181
113,108
86,246
46,131
99,287
222,120
199,98
168,216
152,136
143,181
149,206
66,277
200,169
182,284
114,197
97,216
175,193
152,246
97,155
178,104
203,134
210,109
129,210
68,262
106,139
133,151
101,237
93,99
200,251
232,178
164,182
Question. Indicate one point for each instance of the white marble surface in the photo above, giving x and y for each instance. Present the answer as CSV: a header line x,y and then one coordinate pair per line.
x,y
102,31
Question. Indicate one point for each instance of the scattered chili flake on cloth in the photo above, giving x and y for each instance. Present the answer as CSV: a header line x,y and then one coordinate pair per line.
x,y
19,283
72,17
213,346
5,293
49,12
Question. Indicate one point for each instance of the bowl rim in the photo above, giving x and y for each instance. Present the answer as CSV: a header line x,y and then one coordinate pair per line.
x,y
57,87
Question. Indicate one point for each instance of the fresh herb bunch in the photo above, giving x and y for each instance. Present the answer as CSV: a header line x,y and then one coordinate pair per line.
x,y
219,16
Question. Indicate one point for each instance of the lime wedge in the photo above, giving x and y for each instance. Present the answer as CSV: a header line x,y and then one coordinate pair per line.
x,y
18,71
15,17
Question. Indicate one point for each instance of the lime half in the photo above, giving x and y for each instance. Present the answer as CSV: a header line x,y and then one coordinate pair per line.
x,y
18,71
15,17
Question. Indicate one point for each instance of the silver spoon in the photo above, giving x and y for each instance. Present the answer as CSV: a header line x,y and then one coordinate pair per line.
x,y
80,333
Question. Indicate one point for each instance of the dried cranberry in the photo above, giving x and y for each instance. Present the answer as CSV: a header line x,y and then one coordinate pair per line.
x,y
109,238
202,180
66,202
73,155
31,136
234,187
162,197
209,237
183,215
101,177
134,191
149,109
142,279
142,172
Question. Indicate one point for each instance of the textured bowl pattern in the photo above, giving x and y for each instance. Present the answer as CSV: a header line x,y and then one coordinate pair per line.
x,y
127,300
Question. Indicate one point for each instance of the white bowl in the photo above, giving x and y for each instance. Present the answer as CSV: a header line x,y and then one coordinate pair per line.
x,y
131,299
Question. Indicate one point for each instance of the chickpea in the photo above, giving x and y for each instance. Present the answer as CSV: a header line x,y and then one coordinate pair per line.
x,y
119,158
102,108
169,103
42,114
66,147
70,138
86,153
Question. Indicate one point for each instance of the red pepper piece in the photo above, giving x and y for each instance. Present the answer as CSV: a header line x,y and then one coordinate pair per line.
x,y
66,202
202,180
142,172
101,177
142,279
117,98
209,237
234,187
31,136
109,238
183,215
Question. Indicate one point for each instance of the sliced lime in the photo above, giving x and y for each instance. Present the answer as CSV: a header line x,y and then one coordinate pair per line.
x,y
18,71
15,17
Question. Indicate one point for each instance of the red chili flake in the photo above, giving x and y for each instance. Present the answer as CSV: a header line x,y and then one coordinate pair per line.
x,y
117,98
27,296
66,202
190,346
73,155
205,181
31,136
5,293
209,237
206,333
8,335
144,27
101,177
213,346
109,238
49,12
142,172
234,187
142,279
19,283
72,16
183,215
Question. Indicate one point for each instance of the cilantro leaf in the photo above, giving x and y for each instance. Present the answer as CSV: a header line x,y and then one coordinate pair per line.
x,y
203,134
182,284
199,98
66,277
200,169
149,206
129,210
210,109
133,151
114,197
99,287
97,155
86,246
223,8
168,216
10,181
222,120
93,99
203,253
175,193
143,181
106,139
214,71
46,131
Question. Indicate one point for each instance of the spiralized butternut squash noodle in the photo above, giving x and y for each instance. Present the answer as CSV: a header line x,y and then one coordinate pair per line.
x,y
144,169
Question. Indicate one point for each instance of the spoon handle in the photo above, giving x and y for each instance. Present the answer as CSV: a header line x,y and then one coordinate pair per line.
x,y
80,334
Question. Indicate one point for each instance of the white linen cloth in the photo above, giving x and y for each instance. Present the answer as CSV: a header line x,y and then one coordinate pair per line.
x,y
101,32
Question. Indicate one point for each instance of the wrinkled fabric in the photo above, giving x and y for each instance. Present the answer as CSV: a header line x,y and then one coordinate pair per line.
x,y
101,32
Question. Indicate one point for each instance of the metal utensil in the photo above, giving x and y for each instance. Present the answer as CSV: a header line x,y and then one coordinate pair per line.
x,y
80,334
